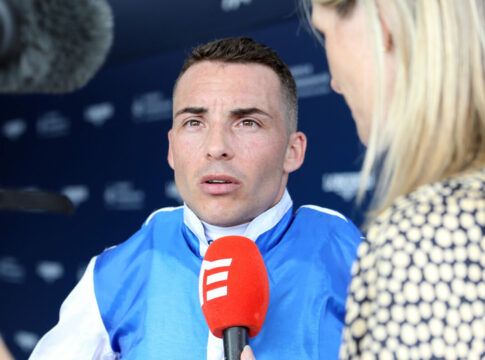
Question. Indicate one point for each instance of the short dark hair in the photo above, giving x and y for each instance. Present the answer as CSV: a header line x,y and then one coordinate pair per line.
x,y
244,50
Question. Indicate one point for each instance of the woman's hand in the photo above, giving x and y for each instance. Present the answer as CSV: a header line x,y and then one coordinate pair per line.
x,y
247,354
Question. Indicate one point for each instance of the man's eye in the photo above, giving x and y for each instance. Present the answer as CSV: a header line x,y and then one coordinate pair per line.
x,y
193,123
248,123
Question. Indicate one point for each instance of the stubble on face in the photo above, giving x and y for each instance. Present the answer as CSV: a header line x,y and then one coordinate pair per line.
x,y
228,141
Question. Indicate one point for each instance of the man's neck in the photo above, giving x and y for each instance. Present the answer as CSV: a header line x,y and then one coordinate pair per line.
x,y
251,230
213,232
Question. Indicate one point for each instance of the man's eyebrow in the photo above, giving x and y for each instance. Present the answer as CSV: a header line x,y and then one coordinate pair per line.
x,y
248,111
192,110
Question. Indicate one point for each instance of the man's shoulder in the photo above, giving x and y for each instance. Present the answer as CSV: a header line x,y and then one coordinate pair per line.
x,y
165,218
134,256
165,214
323,217
323,220
319,212
329,234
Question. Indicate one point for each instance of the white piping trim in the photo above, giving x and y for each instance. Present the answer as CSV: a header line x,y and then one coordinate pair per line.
x,y
165,209
269,218
262,223
326,211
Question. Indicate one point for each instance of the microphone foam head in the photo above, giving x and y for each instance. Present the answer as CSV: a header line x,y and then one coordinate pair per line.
x,y
61,45
233,285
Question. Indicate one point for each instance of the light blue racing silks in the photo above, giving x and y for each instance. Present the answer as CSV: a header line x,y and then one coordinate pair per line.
x,y
147,288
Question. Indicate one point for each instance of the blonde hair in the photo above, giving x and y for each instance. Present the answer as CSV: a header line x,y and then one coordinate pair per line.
x,y
434,126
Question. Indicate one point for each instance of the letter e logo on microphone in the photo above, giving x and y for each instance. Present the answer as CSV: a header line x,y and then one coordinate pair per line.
x,y
233,285
215,277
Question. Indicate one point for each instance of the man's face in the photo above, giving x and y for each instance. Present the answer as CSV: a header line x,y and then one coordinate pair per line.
x,y
228,146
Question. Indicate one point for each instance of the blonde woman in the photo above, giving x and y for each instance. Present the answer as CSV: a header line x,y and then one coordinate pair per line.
x,y
412,72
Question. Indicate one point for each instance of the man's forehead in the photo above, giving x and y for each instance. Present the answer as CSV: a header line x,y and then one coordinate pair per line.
x,y
249,85
212,65
211,72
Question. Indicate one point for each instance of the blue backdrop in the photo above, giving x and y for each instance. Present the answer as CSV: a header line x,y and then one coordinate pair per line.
x,y
105,148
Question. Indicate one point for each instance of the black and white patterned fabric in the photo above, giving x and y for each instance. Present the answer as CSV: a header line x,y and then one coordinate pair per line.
x,y
418,288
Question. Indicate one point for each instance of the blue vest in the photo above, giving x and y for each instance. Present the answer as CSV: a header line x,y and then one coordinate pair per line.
x,y
147,288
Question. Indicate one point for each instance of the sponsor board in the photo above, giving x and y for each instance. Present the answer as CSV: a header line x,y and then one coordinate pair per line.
x,y
11,271
123,195
53,125
310,83
76,193
50,271
14,129
81,269
345,185
99,114
171,192
150,107
25,340
233,5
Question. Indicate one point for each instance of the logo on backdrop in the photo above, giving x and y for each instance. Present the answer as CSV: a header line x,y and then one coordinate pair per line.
x,y
345,184
76,193
50,271
122,195
53,125
81,269
11,271
26,340
308,82
151,106
171,192
218,277
13,129
99,114
233,5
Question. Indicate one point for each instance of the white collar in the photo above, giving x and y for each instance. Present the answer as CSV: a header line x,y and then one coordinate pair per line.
x,y
253,229
213,232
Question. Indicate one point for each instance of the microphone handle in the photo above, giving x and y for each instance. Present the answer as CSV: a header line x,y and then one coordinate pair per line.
x,y
235,338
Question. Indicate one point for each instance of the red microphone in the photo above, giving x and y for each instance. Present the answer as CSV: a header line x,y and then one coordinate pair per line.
x,y
234,291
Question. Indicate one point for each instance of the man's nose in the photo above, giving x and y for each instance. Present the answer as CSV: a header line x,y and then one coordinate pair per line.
x,y
219,146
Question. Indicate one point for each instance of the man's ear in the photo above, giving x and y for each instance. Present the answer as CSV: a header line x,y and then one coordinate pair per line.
x,y
295,152
170,155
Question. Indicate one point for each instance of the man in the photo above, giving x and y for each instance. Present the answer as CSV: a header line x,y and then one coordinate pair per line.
x,y
232,145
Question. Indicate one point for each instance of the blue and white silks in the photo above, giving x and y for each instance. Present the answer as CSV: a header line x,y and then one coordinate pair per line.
x,y
139,300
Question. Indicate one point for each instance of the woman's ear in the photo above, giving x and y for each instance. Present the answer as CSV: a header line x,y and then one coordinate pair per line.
x,y
388,44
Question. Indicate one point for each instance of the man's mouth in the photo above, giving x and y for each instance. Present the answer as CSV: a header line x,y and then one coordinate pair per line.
x,y
219,184
219,179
